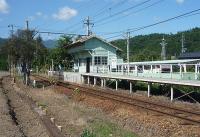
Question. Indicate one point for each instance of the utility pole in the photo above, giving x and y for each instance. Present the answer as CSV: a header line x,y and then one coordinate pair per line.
x,y
27,72
163,52
12,29
128,48
88,24
183,49
52,65
27,24
10,56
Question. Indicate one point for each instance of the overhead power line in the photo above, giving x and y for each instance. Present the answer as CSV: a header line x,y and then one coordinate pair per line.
x,y
142,9
59,33
105,9
76,26
187,14
122,11
167,20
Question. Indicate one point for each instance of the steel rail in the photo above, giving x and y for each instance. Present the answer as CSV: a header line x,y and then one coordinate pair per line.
x,y
174,112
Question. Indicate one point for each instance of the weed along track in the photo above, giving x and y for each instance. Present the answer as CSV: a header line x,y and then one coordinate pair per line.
x,y
26,115
188,116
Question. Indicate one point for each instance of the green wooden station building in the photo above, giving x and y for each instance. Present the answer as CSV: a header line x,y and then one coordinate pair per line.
x,y
92,54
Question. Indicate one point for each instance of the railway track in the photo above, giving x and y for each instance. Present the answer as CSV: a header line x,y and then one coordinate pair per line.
x,y
191,117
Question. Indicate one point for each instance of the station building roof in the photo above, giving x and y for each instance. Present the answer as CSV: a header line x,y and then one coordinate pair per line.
x,y
190,55
182,61
84,39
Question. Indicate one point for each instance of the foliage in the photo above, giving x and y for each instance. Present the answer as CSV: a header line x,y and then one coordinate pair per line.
x,y
147,47
53,80
3,59
87,133
59,54
102,128
40,54
76,91
22,48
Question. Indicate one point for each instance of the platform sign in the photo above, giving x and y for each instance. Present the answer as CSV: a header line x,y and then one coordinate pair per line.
x,y
114,63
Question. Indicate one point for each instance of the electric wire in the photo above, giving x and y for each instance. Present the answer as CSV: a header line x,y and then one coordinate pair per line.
x,y
131,30
132,13
122,11
120,3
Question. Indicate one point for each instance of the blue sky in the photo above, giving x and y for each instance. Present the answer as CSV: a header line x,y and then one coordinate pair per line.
x,y
68,15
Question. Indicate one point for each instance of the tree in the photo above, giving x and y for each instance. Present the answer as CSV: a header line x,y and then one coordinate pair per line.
x,y
59,55
40,54
147,47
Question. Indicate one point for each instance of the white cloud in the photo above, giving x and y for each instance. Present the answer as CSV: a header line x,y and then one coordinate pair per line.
x,y
65,14
39,13
180,1
4,8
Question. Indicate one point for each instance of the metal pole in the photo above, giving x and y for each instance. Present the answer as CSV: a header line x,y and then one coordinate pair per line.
x,y
131,87
149,89
52,65
88,80
172,93
196,71
27,24
101,82
95,81
116,86
104,82
128,46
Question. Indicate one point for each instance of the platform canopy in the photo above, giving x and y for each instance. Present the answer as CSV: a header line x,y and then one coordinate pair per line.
x,y
183,61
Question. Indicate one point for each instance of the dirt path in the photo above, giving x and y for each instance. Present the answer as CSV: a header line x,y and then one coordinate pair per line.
x,y
25,120
8,128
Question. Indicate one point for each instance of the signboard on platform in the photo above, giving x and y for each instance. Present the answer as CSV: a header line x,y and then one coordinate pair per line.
x,y
114,63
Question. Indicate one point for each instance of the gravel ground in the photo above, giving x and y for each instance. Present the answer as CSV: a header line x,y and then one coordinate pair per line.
x,y
143,122
74,116
7,127
27,120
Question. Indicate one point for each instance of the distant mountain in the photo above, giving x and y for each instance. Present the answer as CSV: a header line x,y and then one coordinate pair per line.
x,y
2,41
147,47
50,43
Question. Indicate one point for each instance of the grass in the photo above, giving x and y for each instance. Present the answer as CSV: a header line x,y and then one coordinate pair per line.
x,y
107,129
39,104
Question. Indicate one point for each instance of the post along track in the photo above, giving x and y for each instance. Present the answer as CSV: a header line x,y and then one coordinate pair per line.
x,y
192,117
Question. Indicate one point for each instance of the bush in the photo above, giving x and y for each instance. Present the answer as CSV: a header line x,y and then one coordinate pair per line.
x,y
87,133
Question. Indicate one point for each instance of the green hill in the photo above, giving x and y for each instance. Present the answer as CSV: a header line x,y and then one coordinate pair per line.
x,y
2,41
50,43
147,47
3,56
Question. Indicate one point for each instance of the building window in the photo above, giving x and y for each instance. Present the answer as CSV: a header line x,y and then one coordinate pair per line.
x,y
97,60
104,60
100,60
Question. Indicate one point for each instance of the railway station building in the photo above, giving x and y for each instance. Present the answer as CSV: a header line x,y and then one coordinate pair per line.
x,y
92,54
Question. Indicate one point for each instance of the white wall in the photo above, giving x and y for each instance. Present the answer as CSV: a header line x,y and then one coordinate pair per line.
x,y
72,77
